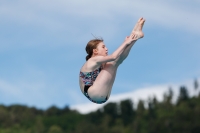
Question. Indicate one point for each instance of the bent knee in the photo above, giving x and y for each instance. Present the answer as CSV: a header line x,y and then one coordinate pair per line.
x,y
94,95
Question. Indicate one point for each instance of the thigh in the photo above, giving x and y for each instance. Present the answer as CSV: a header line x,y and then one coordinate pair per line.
x,y
103,83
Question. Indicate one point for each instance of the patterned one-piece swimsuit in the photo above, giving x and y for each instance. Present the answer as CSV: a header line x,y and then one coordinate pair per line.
x,y
88,79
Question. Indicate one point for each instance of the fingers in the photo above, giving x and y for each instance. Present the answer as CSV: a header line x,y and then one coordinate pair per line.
x,y
136,37
133,36
126,37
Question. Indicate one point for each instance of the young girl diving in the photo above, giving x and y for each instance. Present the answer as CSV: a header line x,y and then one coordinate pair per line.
x,y
97,75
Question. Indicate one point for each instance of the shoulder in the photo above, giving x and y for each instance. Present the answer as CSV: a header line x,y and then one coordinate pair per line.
x,y
90,65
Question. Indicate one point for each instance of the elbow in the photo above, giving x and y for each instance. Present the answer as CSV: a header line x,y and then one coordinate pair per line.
x,y
114,57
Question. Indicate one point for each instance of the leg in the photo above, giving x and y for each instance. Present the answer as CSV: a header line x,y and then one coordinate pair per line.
x,y
124,54
138,31
103,83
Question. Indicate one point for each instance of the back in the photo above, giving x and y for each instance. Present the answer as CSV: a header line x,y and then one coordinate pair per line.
x,y
88,73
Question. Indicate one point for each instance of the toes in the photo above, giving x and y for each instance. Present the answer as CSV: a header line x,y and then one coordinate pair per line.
x,y
140,19
142,22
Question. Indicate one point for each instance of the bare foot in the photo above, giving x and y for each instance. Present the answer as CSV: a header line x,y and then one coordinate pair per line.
x,y
137,30
136,25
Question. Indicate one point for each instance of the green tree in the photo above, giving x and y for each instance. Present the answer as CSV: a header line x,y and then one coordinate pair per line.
x,y
140,107
127,112
111,109
53,110
168,96
55,129
196,84
183,95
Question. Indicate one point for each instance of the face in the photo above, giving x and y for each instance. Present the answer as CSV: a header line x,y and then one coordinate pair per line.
x,y
101,49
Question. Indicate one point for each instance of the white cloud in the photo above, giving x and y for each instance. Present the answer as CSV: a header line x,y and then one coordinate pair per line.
x,y
58,14
57,23
140,94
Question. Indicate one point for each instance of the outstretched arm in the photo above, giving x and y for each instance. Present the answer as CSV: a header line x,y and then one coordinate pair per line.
x,y
116,54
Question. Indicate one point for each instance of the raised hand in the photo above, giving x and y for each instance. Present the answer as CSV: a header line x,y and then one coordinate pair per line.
x,y
131,38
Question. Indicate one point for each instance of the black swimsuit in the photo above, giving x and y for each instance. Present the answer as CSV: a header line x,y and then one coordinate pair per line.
x,y
88,78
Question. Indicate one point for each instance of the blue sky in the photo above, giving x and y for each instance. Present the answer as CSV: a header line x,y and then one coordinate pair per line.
x,y
42,46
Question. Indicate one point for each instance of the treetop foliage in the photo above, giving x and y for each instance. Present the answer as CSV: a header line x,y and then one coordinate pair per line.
x,y
122,117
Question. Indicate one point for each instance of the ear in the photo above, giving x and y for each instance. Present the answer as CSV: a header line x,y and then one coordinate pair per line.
x,y
95,51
